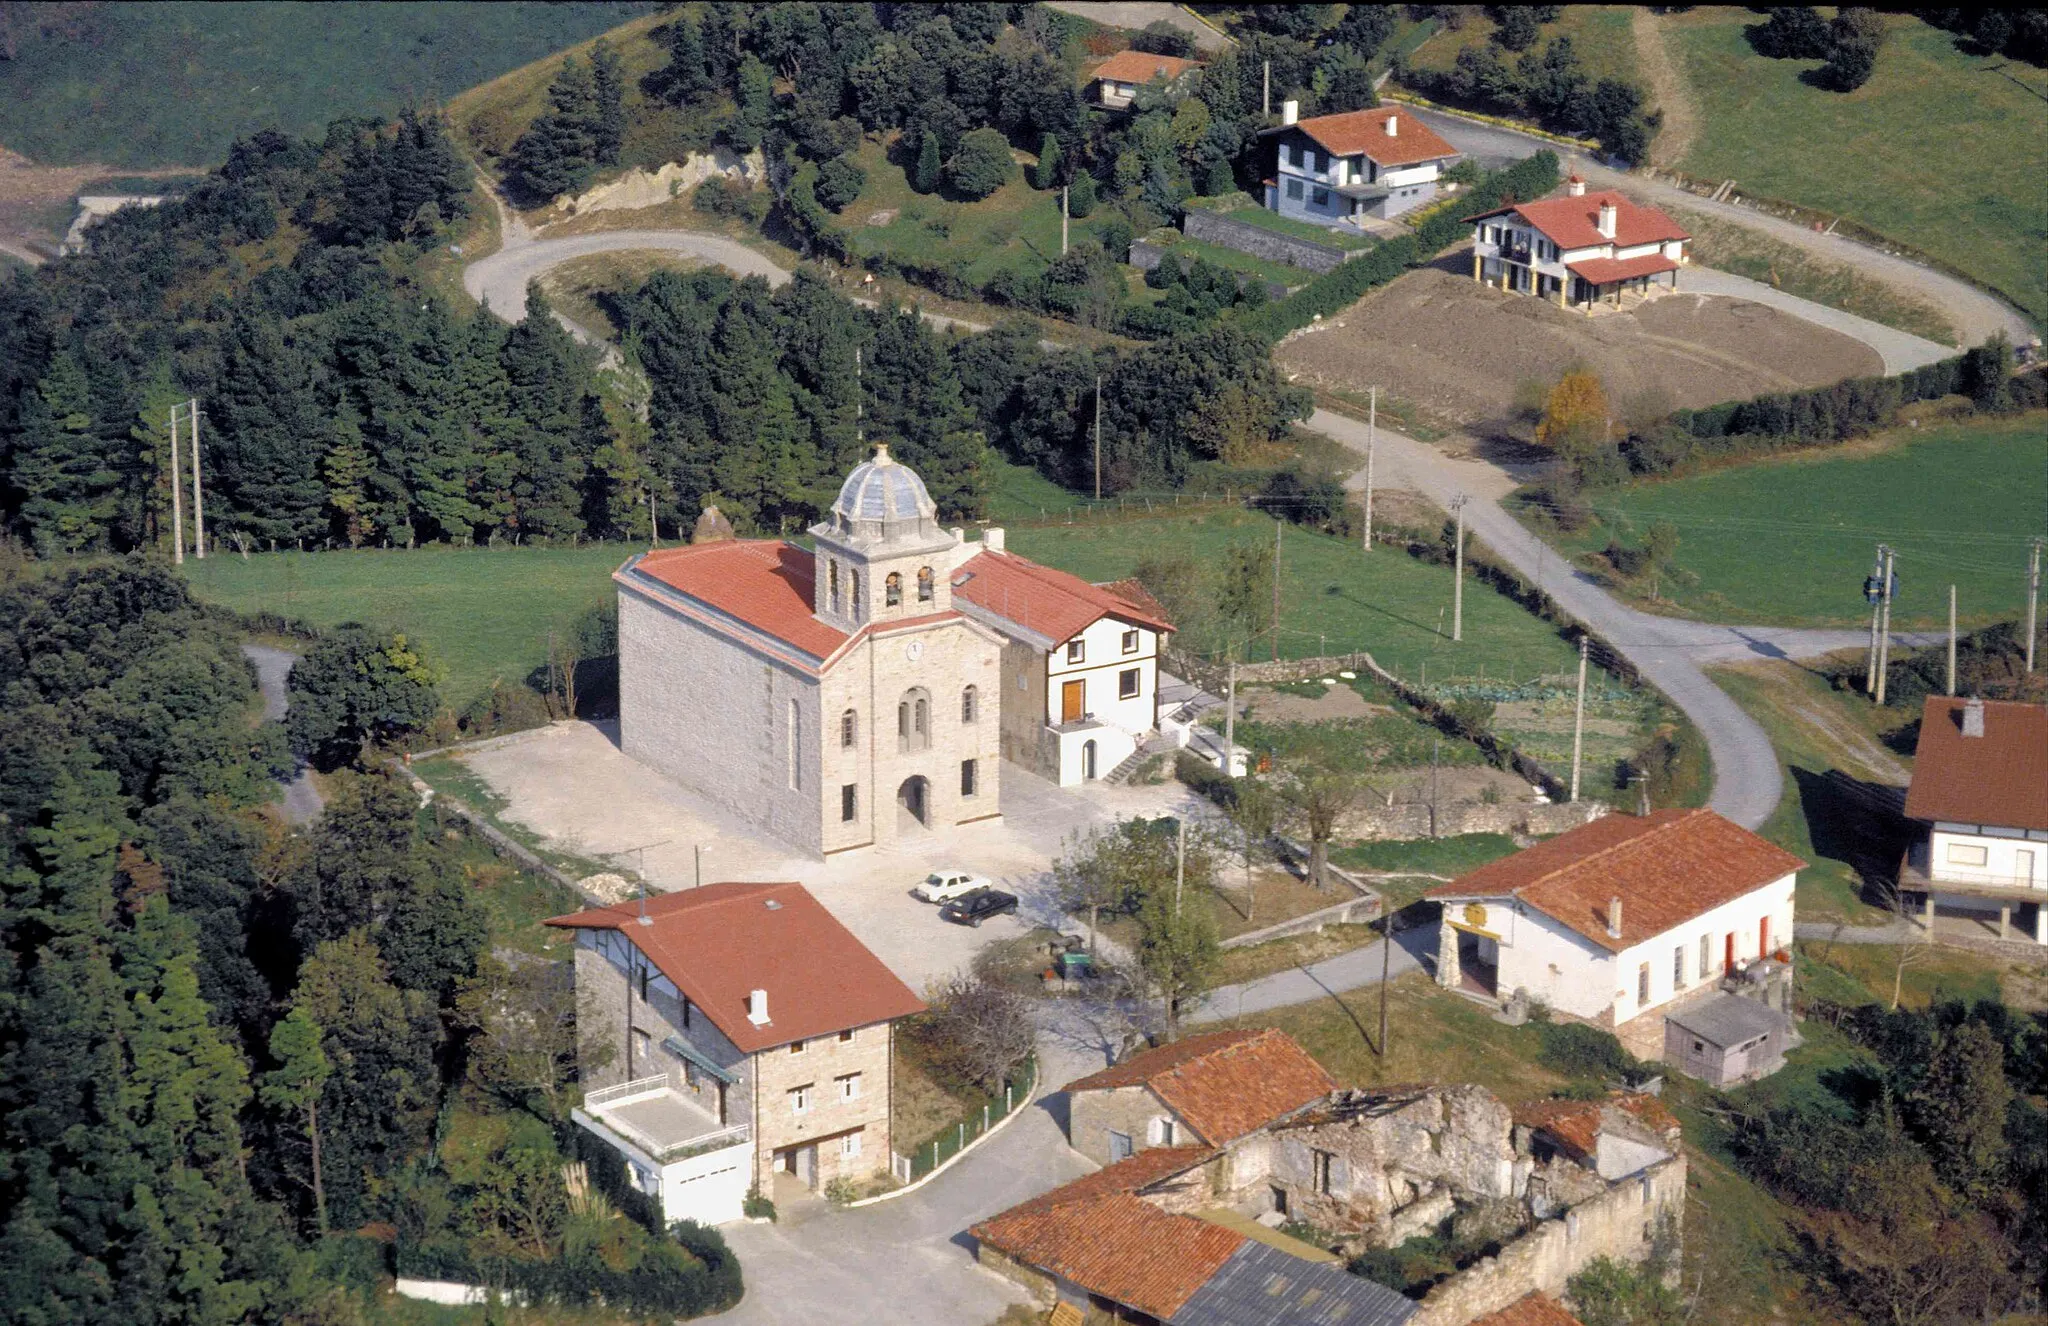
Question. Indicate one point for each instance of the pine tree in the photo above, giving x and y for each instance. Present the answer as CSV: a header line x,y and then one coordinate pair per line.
x,y
295,1087
545,375
754,96
558,151
267,443
151,438
608,89
683,79
1046,173
925,177
69,485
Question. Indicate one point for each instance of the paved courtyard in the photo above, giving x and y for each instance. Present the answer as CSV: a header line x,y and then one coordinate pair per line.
x,y
571,784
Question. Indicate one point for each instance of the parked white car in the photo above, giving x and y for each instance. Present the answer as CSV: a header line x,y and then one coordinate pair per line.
x,y
946,885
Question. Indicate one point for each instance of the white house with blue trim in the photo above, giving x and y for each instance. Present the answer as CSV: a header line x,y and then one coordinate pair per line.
x,y
1340,169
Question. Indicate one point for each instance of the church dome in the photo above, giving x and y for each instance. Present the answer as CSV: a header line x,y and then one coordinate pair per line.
x,y
883,489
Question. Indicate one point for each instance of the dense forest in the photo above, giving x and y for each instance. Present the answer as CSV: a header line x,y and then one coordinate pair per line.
x,y
221,1041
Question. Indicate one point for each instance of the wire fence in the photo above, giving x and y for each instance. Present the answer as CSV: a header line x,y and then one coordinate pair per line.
x,y
975,1123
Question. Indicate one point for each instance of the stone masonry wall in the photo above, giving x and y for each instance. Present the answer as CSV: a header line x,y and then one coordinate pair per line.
x,y
1621,1223
824,1060
1413,819
1145,255
1092,1115
1220,228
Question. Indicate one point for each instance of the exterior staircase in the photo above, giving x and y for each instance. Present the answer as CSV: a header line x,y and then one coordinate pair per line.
x,y
1155,744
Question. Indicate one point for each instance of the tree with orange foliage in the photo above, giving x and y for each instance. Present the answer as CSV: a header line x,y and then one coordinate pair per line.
x,y
1575,417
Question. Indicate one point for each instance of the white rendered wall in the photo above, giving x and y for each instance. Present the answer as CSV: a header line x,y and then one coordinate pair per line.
x,y
1742,917
1102,660
2001,857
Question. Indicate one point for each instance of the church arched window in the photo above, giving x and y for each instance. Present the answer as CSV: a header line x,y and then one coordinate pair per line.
x,y
924,584
834,579
849,729
970,705
914,720
892,589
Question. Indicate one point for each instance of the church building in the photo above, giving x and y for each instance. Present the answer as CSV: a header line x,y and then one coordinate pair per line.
x,y
867,692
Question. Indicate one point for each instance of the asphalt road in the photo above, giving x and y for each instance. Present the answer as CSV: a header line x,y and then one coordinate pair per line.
x,y
1977,314
302,802
1134,16
500,280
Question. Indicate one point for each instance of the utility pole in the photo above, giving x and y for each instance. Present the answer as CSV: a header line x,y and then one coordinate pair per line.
x,y
1230,722
1372,419
1579,718
1278,526
1951,639
653,530
198,498
177,498
1435,743
1458,582
1386,965
1874,591
1884,630
1098,437
2033,596
1266,90
698,852
1063,219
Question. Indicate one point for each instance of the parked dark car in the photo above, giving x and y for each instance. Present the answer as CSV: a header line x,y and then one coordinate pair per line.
x,y
978,906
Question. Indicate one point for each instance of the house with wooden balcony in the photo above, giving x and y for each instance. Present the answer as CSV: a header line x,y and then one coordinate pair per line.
x,y
1580,249
1342,169
750,1041
1980,791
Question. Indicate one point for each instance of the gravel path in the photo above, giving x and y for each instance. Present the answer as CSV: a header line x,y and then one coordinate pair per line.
x,y
302,803
1901,351
1976,314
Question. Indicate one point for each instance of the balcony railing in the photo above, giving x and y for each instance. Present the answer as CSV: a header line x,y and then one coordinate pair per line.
x,y
639,1086
649,1113
1916,875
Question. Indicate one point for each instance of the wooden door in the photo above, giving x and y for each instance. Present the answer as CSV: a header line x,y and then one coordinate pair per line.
x,y
1728,961
1072,700
1763,937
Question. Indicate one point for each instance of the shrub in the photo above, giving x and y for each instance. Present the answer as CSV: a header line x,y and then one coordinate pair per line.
x,y
1577,1050
841,1190
1204,778
1081,195
1792,32
981,164
757,1207
924,175
840,181
358,685
719,196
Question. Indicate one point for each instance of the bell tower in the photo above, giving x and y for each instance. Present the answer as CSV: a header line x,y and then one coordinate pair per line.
x,y
882,555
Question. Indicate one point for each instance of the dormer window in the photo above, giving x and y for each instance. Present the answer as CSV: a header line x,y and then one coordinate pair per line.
x,y
892,589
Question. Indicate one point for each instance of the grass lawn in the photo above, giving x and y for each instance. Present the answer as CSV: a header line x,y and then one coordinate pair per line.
x,y
1243,207
1449,857
484,613
1189,250
1787,540
1862,973
174,83
1600,37
1876,154
1721,243
1334,599
1017,227
1818,732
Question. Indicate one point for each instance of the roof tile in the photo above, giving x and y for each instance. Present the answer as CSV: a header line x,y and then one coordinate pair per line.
x,y
1049,603
1142,67
722,941
1667,867
1365,132
1574,223
1531,1310
1223,1084
765,583
2000,778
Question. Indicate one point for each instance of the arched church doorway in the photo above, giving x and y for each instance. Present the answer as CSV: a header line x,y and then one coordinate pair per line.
x,y
914,802
1088,759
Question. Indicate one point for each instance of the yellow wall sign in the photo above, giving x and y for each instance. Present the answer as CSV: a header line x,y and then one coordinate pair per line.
x,y
1475,915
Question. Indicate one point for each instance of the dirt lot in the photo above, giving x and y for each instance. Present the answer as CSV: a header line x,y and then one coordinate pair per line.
x,y
37,202
1459,350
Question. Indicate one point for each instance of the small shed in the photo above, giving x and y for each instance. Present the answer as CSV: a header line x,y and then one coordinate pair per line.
x,y
1726,1039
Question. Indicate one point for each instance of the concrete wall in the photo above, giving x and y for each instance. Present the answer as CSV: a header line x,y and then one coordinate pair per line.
x,y
1220,228
1133,1111
829,1119
1408,820
1620,1223
1350,912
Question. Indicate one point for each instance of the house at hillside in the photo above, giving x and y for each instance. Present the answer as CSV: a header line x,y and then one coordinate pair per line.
x,y
1115,82
1343,168
1980,789
1619,918
1228,1132
864,693
1577,249
750,1036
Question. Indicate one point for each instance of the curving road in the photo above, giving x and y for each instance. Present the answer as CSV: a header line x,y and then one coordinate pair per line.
x,y
499,282
1977,314
302,802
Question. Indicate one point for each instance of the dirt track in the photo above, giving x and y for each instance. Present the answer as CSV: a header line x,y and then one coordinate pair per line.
x,y
1457,349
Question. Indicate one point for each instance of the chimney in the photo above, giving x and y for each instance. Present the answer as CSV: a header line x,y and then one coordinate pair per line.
x,y
1575,187
1614,918
1973,717
1290,112
1607,220
757,1008
992,538
1393,124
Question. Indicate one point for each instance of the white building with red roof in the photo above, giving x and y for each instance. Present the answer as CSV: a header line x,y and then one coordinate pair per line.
x,y
1579,248
866,693
1343,168
1116,81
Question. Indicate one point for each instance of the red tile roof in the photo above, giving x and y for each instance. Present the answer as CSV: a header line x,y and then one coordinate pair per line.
x,y
1223,1084
1576,1123
2000,778
1142,67
1365,131
1602,271
720,942
1574,223
1530,1310
1666,867
765,583
1049,603
1097,1233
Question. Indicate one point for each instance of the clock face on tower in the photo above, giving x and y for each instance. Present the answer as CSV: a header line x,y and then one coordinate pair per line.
x,y
914,650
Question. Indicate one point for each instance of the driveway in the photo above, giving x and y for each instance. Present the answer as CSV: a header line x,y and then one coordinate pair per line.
x,y
273,671
1135,16
1901,351
1976,314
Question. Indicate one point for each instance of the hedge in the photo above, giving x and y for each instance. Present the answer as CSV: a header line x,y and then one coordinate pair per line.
x,y
1349,281
690,1277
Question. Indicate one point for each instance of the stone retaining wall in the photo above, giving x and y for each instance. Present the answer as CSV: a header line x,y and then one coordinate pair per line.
x,y
1352,911
1409,820
1220,228
1145,255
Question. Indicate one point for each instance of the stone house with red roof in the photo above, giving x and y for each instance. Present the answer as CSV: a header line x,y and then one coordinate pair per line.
x,y
1115,82
866,691
1580,248
732,1033
1620,917
1341,169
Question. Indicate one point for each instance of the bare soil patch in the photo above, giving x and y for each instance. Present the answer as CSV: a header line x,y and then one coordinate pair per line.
x,y
1669,92
36,201
1334,702
1458,349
